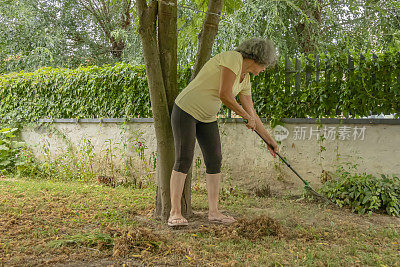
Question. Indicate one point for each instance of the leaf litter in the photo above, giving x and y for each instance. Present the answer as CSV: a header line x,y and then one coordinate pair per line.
x,y
251,229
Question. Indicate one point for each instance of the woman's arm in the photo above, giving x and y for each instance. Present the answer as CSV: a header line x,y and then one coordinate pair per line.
x,y
228,78
247,103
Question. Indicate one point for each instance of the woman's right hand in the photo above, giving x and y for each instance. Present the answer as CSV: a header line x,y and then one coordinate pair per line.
x,y
251,123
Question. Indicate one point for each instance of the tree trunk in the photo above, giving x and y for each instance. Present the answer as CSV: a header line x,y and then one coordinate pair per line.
x,y
207,34
167,44
147,30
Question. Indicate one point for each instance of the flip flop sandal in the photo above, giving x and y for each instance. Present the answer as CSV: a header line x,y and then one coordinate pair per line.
x,y
175,223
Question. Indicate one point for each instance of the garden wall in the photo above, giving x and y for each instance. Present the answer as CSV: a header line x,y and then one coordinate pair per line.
x,y
363,145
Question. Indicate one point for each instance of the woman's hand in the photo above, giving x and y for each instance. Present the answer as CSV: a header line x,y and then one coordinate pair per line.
x,y
251,122
272,147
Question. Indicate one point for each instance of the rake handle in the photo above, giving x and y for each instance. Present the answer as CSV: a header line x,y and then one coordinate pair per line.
x,y
306,183
284,161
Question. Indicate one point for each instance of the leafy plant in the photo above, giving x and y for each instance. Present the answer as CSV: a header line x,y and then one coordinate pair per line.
x,y
371,86
118,91
121,91
82,163
10,150
365,193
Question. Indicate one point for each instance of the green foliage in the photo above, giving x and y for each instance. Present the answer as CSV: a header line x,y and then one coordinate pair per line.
x,y
313,26
62,33
365,193
10,150
121,91
373,86
118,91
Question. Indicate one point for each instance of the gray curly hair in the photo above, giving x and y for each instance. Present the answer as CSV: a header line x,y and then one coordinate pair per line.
x,y
262,51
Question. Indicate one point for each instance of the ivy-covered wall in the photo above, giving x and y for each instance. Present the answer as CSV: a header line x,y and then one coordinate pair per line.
x,y
118,91
314,86
330,86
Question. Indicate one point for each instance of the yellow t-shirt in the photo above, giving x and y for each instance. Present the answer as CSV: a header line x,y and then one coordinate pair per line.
x,y
201,97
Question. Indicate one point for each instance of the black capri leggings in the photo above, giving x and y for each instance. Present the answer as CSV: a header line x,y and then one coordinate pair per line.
x,y
186,129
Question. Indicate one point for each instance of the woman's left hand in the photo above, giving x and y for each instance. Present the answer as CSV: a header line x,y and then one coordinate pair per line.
x,y
272,147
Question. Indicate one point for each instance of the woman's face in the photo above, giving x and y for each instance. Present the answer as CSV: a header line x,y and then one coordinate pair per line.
x,y
257,68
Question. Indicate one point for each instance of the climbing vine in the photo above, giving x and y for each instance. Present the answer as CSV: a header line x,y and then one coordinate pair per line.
x,y
370,84
320,86
118,91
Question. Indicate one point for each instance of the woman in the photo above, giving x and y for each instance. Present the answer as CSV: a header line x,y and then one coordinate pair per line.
x,y
194,116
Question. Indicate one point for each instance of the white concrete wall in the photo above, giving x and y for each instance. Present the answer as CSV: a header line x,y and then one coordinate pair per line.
x,y
246,161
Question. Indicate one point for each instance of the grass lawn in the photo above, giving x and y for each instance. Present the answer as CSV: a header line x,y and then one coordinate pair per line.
x,y
51,222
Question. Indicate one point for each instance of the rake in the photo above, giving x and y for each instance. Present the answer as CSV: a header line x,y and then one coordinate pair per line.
x,y
307,186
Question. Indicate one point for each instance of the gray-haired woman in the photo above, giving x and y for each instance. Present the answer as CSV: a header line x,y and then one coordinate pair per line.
x,y
195,116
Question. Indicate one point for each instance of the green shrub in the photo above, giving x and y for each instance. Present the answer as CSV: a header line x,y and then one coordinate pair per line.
x,y
118,91
10,150
121,91
365,193
372,86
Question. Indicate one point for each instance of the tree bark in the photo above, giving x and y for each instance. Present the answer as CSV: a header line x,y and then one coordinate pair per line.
x,y
168,45
207,34
148,33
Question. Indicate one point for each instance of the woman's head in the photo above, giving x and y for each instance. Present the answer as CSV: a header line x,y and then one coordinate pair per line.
x,y
262,51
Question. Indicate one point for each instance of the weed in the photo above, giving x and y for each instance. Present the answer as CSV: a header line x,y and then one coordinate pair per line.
x,y
81,163
10,150
365,193
258,227
197,169
262,191
145,166
86,149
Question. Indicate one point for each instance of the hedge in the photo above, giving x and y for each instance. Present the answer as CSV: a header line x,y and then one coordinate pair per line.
x,y
120,91
349,85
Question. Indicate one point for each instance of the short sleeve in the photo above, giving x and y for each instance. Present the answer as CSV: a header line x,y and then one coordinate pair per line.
x,y
231,60
246,86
